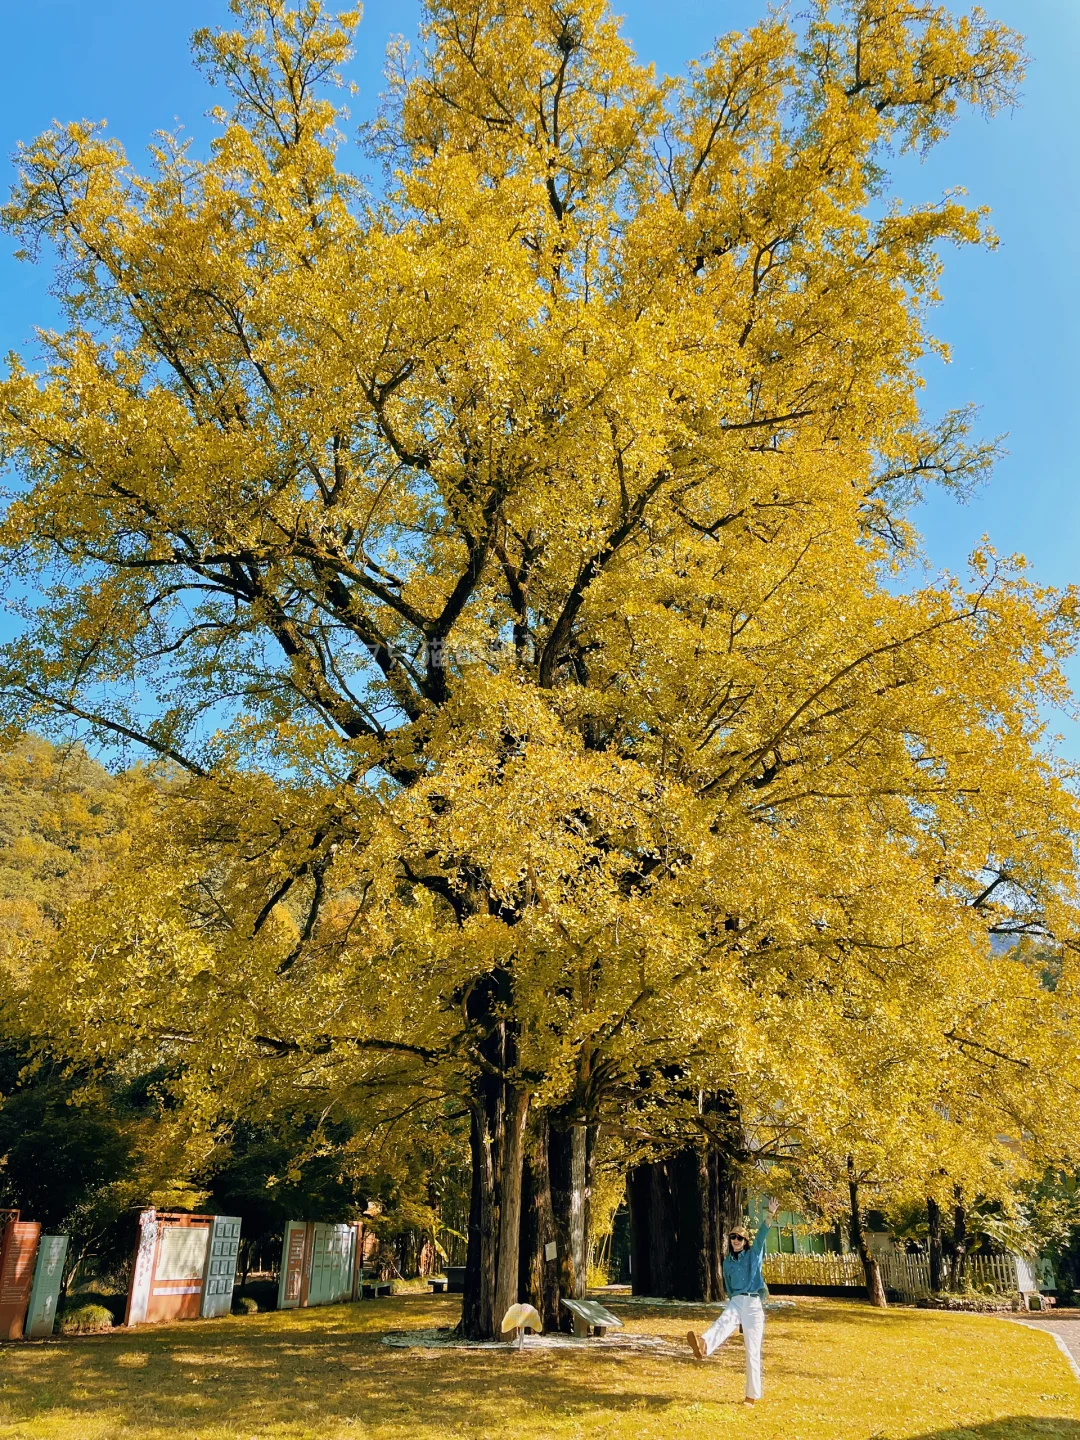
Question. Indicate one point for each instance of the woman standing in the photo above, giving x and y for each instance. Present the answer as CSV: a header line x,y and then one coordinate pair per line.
x,y
745,1286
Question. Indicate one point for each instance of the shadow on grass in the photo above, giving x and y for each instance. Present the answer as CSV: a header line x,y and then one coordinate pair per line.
x,y
1017,1427
315,1370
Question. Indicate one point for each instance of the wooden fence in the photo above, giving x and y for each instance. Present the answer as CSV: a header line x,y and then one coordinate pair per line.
x,y
908,1275
812,1270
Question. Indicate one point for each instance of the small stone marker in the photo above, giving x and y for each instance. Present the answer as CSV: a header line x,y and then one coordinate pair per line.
x,y
590,1315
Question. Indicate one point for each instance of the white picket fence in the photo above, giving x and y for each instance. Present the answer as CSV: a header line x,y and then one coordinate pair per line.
x,y
908,1275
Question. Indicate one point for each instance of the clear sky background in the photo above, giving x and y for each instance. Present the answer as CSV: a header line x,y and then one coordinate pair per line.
x,y
1011,316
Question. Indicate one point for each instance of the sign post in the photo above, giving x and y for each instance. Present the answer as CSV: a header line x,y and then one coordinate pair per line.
x,y
222,1254
17,1251
185,1266
292,1265
45,1291
142,1269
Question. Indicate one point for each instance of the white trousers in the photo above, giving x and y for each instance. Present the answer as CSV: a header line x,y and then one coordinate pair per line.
x,y
747,1312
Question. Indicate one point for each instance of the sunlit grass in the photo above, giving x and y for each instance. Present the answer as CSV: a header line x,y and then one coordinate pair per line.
x,y
832,1370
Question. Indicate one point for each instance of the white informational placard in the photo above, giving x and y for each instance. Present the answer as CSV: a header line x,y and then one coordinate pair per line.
x,y
183,1253
1026,1281
551,1251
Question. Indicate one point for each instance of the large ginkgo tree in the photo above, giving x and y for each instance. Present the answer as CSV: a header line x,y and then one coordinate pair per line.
x,y
509,556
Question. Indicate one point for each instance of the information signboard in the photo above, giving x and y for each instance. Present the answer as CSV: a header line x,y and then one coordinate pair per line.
x,y
180,1263
221,1256
17,1251
182,1253
179,1272
331,1273
45,1291
591,1315
142,1268
291,1282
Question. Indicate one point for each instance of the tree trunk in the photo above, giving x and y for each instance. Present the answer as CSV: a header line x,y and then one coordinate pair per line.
x,y
538,1276
492,1154
960,1242
511,1167
579,1208
478,1301
567,1164
654,1256
639,1203
727,1205
592,1137
703,1276
933,1217
875,1290
680,1209
688,1177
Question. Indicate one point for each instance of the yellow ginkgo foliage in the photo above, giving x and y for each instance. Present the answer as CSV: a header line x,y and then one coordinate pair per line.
x,y
512,554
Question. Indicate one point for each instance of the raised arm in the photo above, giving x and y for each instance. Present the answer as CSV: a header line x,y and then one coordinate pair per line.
x,y
763,1228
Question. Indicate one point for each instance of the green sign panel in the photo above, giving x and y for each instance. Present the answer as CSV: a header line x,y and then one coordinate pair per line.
x,y
331,1264
221,1257
45,1291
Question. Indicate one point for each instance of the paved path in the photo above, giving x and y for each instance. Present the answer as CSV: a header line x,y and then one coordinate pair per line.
x,y
1065,1332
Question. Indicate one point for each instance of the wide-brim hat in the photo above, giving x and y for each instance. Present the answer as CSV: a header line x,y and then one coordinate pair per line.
x,y
740,1232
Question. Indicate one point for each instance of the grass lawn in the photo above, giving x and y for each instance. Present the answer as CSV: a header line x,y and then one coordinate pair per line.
x,y
833,1369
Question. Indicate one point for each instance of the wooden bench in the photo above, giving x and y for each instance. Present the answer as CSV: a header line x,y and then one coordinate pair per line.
x,y
591,1318
372,1288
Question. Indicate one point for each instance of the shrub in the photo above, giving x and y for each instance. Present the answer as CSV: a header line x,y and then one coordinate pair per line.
x,y
86,1320
981,1304
245,1305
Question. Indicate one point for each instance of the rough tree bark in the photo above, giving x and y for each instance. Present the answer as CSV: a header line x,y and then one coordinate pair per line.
x,y
937,1255
660,1229
638,1182
538,1276
704,1241
478,1300
512,1162
875,1289
680,1209
727,1206
688,1172
498,1111
568,1169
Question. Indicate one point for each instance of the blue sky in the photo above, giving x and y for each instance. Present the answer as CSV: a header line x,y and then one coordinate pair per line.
x,y
1012,316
